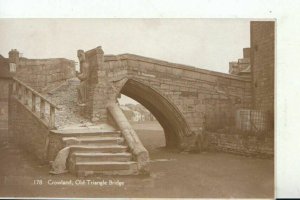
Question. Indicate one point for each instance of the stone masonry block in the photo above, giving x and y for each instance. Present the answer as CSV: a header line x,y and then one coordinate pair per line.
x,y
208,78
164,86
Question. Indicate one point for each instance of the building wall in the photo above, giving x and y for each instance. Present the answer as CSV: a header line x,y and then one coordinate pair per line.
x,y
262,61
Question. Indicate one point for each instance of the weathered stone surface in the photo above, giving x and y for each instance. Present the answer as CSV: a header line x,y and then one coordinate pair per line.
x,y
241,144
176,89
4,95
184,99
59,165
181,97
28,130
134,143
262,59
44,74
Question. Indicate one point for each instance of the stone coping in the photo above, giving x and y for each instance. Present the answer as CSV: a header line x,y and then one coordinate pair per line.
x,y
91,129
109,57
82,131
45,59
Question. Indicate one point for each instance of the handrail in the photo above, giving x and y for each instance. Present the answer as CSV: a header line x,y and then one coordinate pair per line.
x,y
133,141
23,96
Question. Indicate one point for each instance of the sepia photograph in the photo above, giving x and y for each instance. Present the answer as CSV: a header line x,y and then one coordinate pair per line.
x,y
159,108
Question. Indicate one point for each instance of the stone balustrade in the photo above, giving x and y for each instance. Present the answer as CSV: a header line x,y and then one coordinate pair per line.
x,y
35,102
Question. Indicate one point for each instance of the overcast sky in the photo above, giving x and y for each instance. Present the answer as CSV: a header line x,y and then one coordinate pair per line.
x,y
204,43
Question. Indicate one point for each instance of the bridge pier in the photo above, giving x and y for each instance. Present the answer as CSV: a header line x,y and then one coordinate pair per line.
x,y
171,141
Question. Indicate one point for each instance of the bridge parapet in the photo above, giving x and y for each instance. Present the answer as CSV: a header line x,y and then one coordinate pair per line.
x,y
29,98
31,116
174,66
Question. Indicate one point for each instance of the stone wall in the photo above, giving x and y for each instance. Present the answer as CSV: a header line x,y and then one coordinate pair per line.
x,y
242,66
182,98
27,130
4,82
250,145
98,86
262,61
4,86
198,94
44,74
4,67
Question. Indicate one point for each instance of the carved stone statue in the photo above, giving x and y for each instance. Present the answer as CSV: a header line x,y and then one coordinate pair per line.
x,y
83,77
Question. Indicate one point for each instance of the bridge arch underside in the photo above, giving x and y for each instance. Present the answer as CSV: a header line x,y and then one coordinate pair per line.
x,y
171,120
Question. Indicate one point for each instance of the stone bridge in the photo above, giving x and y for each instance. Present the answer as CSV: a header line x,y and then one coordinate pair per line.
x,y
183,99
235,111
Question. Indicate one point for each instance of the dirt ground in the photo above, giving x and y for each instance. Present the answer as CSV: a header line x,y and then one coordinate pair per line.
x,y
173,174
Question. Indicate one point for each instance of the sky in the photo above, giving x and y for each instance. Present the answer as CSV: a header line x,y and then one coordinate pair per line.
x,y
205,43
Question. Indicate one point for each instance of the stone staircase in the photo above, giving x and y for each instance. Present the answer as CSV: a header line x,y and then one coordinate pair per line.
x,y
71,142
98,153
94,148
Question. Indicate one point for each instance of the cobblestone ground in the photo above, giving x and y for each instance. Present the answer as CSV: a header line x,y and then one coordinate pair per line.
x,y
173,174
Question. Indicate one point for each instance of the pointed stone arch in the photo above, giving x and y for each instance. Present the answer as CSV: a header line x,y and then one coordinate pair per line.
x,y
174,125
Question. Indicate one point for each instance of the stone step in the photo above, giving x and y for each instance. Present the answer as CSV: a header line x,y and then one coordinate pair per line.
x,y
86,132
98,149
127,172
99,167
98,157
93,140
